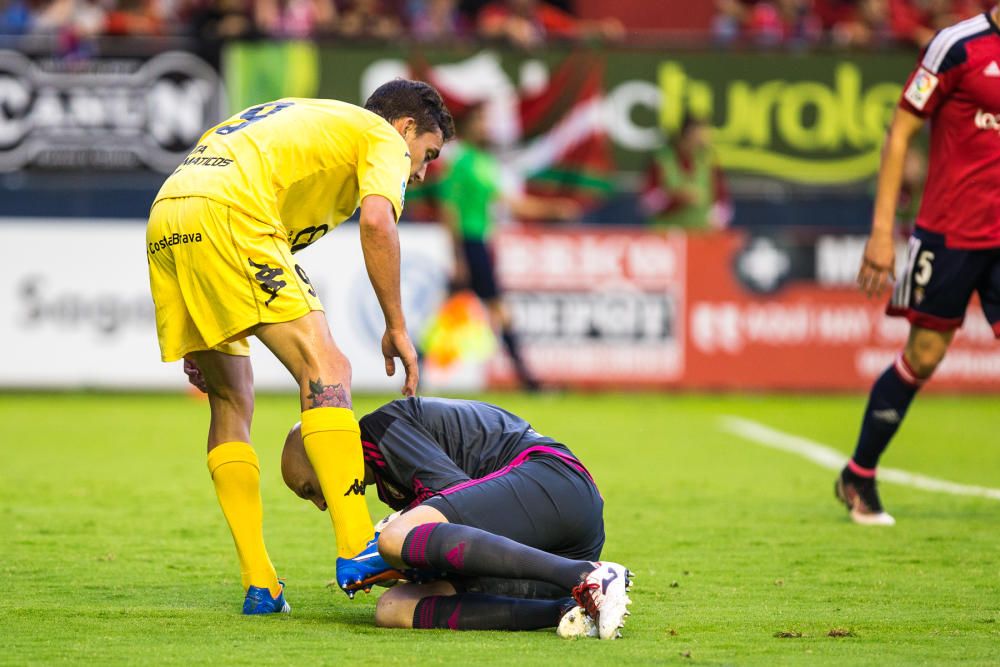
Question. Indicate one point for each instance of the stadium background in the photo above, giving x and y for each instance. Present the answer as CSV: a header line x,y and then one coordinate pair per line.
x,y
715,465
101,99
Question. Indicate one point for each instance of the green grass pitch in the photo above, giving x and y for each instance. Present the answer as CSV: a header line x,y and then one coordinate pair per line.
x,y
114,550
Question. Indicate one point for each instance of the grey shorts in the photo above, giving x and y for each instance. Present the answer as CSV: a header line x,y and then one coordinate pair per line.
x,y
544,503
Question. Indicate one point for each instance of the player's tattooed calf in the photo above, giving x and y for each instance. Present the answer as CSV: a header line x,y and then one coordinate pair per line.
x,y
328,395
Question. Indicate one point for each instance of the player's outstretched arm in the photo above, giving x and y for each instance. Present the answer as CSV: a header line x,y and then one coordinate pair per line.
x,y
562,209
878,263
380,245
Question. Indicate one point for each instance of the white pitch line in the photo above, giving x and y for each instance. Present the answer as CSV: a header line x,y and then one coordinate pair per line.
x,y
830,458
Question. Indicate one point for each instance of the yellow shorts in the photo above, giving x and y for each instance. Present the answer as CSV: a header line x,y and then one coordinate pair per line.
x,y
216,273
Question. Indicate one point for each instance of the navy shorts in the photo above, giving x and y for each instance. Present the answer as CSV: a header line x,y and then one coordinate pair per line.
x,y
544,503
482,277
938,282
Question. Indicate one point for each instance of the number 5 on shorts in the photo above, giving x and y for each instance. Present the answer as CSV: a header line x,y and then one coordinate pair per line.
x,y
925,269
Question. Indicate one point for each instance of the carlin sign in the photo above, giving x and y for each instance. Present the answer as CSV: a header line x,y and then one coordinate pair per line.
x,y
109,113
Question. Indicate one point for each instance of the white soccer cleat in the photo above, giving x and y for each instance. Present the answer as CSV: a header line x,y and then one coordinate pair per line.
x,y
860,496
872,518
576,624
604,595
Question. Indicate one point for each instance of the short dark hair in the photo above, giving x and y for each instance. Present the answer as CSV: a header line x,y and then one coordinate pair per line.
x,y
401,98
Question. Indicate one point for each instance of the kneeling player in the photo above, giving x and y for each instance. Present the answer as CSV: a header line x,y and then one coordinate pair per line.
x,y
512,517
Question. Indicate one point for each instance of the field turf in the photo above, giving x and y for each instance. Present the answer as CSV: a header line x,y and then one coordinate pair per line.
x,y
114,550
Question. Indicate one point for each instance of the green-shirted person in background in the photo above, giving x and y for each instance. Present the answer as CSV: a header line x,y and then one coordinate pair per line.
x,y
685,186
469,191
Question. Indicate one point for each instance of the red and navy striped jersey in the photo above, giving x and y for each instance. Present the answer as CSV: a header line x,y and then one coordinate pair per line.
x,y
956,85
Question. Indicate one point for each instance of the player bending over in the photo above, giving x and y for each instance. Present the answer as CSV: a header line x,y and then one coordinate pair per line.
x,y
512,517
257,188
955,248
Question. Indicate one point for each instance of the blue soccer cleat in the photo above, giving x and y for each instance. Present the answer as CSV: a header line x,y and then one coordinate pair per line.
x,y
259,601
364,570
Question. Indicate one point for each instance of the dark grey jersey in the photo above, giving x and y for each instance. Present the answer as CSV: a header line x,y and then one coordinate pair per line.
x,y
419,446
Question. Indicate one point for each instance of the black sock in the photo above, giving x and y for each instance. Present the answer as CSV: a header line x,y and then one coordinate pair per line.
x,y
475,611
474,552
513,346
887,404
527,589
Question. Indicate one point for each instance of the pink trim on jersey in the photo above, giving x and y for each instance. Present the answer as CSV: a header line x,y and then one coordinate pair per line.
x,y
906,372
859,471
372,454
518,460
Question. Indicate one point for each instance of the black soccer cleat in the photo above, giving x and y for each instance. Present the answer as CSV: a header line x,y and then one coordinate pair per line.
x,y
860,495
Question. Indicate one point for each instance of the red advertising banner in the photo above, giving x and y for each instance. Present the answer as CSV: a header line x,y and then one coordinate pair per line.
x,y
595,308
599,308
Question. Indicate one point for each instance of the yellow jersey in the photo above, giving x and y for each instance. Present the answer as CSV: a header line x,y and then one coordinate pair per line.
x,y
302,165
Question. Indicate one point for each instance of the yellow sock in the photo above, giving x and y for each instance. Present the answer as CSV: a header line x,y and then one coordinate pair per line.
x,y
333,444
236,474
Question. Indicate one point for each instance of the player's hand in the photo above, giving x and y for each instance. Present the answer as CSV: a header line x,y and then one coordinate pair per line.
x,y
396,343
194,375
877,265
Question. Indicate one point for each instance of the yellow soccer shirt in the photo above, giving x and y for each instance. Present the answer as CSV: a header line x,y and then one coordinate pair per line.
x,y
303,165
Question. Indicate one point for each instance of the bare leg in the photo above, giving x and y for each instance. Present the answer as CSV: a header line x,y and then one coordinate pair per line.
x,y
395,607
925,349
330,432
233,463
230,395
390,542
306,348
501,321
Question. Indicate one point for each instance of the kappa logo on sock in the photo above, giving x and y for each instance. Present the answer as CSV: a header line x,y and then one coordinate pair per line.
x,y
357,488
456,557
888,416
453,619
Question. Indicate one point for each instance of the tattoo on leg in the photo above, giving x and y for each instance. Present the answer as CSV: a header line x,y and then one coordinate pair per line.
x,y
328,395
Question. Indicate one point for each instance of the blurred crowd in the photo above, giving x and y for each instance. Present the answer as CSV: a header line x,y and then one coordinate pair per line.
x,y
524,23
854,23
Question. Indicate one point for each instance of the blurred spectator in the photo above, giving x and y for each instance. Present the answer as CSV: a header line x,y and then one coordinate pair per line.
x,y
860,22
852,23
133,17
436,20
528,23
685,186
366,18
294,18
916,21
16,17
212,23
767,21
78,18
